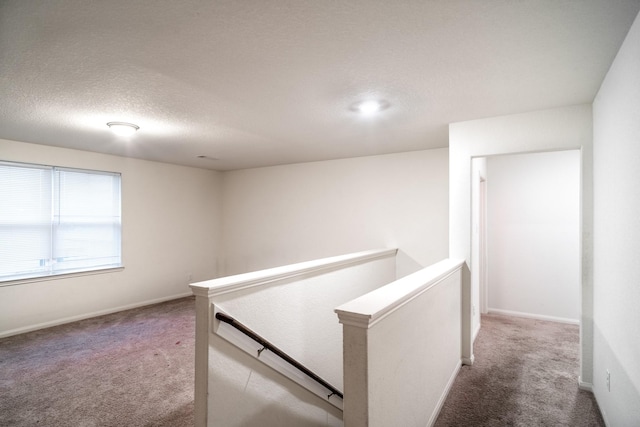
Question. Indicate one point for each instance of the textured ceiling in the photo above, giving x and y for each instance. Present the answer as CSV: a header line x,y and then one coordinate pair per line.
x,y
256,83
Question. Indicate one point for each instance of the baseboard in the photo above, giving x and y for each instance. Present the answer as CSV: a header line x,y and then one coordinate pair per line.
x,y
534,316
584,385
62,321
443,397
468,360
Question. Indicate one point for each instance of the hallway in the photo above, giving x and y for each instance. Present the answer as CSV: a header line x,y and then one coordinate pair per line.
x,y
525,374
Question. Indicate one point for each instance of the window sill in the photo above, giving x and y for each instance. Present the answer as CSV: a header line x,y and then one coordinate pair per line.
x,y
60,276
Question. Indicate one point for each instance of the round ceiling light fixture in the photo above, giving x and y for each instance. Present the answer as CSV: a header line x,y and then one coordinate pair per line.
x,y
370,107
122,128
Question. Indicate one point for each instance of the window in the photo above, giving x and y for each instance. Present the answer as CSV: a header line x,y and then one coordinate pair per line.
x,y
57,220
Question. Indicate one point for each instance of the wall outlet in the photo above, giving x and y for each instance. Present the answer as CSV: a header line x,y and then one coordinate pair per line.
x,y
473,309
608,380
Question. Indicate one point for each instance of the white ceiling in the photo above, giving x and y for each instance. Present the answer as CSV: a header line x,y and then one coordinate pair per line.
x,y
260,82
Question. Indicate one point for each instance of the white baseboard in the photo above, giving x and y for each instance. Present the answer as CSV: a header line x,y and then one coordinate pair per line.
x,y
584,385
443,397
534,316
64,320
468,360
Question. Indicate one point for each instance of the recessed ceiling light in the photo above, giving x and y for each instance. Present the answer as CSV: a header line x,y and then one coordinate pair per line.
x,y
370,107
122,128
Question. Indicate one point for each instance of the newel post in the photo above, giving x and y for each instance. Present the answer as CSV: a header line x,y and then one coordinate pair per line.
x,y
355,355
203,322
466,332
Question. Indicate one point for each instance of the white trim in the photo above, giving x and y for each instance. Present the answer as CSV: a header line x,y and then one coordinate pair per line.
x,y
534,316
367,310
584,385
89,315
443,396
476,332
59,276
468,360
240,282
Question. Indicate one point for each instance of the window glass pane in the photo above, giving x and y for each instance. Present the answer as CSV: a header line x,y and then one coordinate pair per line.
x,y
25,219
57,220
86,220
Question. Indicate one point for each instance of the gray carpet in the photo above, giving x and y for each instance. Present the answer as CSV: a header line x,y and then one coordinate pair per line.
x,y
133,368
525,374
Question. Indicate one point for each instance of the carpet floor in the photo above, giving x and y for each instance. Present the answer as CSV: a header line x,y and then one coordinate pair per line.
x,y
127,369
136,368
525,374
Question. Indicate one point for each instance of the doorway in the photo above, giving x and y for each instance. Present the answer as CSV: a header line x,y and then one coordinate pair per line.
x,y
525,258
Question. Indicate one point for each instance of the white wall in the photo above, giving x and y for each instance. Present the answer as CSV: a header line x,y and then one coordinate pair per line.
x,y
546,130
616,122
533,207
285,214
170,229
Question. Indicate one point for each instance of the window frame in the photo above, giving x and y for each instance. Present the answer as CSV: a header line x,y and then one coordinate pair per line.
x,y
51,273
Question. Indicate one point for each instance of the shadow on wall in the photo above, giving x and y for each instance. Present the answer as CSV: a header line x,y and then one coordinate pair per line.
x,y
253,395
405,265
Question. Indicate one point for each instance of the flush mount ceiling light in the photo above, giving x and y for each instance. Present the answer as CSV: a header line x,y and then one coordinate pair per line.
x,y
122,128
370,107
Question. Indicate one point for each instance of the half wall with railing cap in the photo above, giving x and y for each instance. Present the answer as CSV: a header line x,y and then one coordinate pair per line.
x,y
270,351
291,307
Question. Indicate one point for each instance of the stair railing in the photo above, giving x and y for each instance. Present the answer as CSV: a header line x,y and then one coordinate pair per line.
x,y
266,345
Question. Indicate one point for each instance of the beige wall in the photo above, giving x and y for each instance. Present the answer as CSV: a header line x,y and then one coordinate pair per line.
x,y
284,214
170,230
173,217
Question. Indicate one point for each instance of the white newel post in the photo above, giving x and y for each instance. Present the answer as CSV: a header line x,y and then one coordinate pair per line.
x,y
203,322
466,338
356,367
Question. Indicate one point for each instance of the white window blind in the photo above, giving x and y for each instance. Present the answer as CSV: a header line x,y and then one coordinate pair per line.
x,y
57,220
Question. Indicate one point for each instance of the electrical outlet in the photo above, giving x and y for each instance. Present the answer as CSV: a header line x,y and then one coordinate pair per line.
x,y
608,380
473,309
